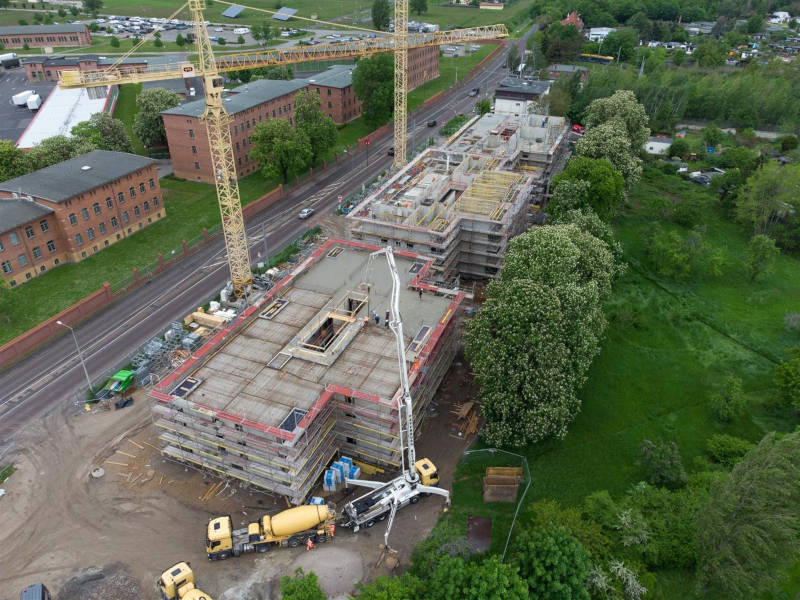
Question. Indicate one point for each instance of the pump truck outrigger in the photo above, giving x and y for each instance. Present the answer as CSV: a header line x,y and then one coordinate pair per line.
x,y
418,477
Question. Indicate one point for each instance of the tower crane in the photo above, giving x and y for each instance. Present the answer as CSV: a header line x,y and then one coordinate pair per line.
x,y
217,121
417,477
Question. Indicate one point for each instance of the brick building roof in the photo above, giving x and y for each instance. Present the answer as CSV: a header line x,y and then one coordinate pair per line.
x,y
17,211
247,96
67,179
36,29
337,76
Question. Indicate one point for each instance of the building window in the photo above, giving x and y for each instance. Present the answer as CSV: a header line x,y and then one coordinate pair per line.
x,y
44,226
120,197
125,217
329,91
102,228
136,211
132,192
109,202
330,105
56,261
155,201
37,252
6,267
83,254
29,231
79,239
191,134
196,166
194,149
51,245
85,214
1,246
23,260
14,238
114,222
90,233
152,183
146,206
141,187
73,220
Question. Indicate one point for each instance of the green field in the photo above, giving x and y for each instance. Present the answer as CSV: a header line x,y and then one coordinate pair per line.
x,y
667,348
190,207
126,109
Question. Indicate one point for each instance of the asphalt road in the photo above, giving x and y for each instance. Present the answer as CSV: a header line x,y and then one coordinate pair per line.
x,y
51,374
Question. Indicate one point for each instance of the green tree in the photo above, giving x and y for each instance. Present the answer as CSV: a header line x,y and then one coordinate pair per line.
x,y
788,143
561,42
679,148
713,135
729,401
262,32
621,44
483,106
158,43
610,141
381,14
61,12
12,161
56,149
92,6
280,148
662,464
114,41
180,40
769,198
319,128
709,53
418,6
750,527
240,39
554,564
401,587
761,254
606,190
787,379
373,84
73,10
275,72
727,450
148,125
221,41
104,132
624,106
301,586
679,57
455,579
754,24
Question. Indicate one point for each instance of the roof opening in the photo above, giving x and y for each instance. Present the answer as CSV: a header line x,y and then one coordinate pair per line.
x,y
85,168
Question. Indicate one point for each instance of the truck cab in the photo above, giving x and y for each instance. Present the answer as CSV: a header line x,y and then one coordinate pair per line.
x,y
428,473
37,591
177,583
219,537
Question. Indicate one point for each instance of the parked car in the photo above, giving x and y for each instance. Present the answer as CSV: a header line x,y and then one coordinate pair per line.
x,y
432,123
474,92
305,213
579,129
391,151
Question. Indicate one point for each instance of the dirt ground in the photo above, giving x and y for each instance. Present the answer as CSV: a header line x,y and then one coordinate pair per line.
x,y
110,537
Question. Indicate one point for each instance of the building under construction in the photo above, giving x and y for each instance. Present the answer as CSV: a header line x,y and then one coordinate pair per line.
x,y
307,373
463,201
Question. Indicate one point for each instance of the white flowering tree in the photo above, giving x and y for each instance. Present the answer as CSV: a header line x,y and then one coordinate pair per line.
x,y
624,106
610,140
532,342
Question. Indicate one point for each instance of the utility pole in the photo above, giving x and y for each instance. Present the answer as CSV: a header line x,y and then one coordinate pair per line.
x,y
80,354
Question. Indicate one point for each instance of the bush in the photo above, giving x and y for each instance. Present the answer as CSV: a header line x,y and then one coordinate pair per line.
x,y
662,464
678,148
787,143
554,564
729,402
726,450
787,380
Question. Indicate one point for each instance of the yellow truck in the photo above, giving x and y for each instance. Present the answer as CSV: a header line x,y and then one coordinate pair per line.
x,y
291,527
177,583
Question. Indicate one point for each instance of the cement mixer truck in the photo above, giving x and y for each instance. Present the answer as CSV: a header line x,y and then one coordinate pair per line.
x,y
177,583
291,527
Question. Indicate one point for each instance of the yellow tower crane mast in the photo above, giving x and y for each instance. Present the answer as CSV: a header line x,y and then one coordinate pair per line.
x,y
218,122
223,164
400,80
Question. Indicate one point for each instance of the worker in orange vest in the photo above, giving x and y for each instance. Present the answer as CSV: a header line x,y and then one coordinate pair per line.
x,y
309,544
331,530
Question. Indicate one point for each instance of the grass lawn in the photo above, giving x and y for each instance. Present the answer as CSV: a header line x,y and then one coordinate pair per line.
x,y
667,348
190,207
125,110
12,17
6,472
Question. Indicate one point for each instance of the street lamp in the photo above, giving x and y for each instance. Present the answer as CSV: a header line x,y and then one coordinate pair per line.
x,y
80,354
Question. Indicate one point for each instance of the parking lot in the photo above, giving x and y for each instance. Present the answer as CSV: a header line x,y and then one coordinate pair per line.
x,y
14,119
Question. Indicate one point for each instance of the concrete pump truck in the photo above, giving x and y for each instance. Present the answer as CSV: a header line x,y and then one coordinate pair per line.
x,y
418,478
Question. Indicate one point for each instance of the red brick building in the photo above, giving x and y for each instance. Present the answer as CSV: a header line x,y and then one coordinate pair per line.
x,y
47,68
335,89
258,100
73,209
423,65
40,36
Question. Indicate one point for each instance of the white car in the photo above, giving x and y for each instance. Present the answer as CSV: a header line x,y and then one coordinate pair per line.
x,y
305,213
218,29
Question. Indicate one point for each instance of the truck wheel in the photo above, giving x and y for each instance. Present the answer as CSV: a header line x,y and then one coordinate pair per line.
x,y
369,523
321,539
263,547
383,517
414,500
294,543
223,555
